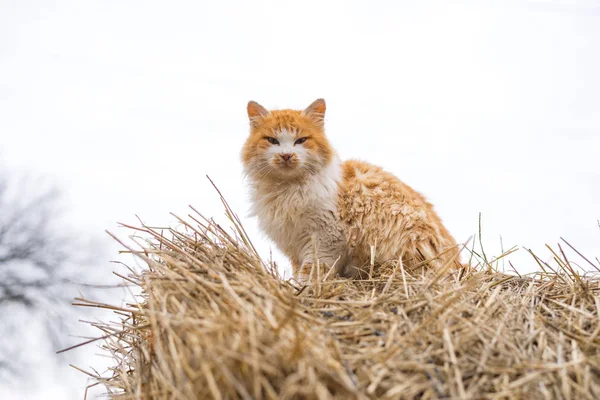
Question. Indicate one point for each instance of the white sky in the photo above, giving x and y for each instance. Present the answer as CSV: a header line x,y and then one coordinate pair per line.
x,y
483,108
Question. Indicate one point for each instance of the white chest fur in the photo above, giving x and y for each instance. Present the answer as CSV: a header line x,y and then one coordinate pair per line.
x,y
291,214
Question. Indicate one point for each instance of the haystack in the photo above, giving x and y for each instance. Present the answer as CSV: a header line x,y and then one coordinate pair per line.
x,y
216,321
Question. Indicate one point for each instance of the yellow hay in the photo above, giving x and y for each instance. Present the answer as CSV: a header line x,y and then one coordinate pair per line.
x,y
215,321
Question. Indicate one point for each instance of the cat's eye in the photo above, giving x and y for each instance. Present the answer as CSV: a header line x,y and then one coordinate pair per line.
x,y
300,141
272,140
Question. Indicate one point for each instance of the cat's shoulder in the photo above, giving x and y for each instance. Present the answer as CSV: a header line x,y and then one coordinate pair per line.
x,y
369,179
364,172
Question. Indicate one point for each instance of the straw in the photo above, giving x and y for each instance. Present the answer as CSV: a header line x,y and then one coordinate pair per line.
x,y
216,321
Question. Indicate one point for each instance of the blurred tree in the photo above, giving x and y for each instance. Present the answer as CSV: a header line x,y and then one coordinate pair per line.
x,y
32,251
39,257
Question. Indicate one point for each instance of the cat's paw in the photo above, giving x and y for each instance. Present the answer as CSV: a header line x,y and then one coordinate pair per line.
x,y
302,279
302,275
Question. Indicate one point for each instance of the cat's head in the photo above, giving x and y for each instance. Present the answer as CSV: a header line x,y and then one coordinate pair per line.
x,y
286,144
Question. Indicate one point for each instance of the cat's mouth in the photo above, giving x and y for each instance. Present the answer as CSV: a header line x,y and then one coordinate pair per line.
x,y
287,165
287,169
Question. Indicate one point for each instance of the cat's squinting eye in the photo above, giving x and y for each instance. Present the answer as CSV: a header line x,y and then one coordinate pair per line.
x,y
300,141
272,140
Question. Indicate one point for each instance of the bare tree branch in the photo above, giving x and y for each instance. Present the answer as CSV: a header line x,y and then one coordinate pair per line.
x,y
36,261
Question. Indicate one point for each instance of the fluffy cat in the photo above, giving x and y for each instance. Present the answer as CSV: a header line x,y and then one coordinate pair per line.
x,y
309,202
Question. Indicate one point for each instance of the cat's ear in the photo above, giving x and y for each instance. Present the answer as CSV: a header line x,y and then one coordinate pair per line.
x,y
316,111
256,112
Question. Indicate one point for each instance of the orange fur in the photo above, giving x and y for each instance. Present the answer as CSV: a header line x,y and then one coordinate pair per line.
x,y
308,201
378,209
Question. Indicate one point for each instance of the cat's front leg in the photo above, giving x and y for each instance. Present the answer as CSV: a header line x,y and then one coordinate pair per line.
x,y
325,250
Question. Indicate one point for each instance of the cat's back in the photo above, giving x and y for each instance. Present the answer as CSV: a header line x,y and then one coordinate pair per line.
x,y
370,184
379,209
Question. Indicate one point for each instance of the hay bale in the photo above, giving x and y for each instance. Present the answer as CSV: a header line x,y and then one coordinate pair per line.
x,y
215,321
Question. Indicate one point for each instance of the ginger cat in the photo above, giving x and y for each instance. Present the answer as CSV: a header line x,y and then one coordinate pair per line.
x,y
303,196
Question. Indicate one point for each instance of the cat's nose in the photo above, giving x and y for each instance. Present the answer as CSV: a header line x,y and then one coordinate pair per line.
x,y
286,156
